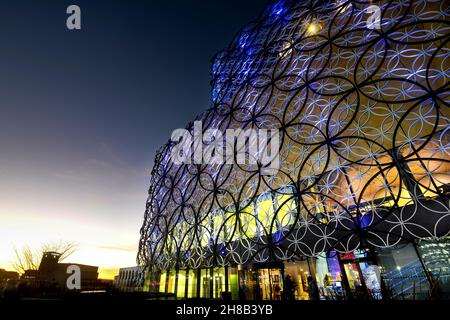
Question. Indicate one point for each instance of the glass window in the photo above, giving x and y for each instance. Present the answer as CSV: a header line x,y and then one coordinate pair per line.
x,y
286,207
436,255
205,279
248,221
270,283
233,282
403,273
218,282
192,283
248,284
171,283
372,278
265,212
181,284
231,227
298,272
162,282
431,171
328,276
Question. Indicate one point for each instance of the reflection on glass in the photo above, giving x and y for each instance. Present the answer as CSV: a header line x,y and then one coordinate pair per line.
x,y
192,283
205,283
436,255
403,273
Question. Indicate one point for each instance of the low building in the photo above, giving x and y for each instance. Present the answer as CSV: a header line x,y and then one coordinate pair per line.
x,y
8,278
8,275
130,279
51,272
8,282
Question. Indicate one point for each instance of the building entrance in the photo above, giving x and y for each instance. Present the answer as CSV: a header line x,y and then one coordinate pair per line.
x,y
270,283
269,280
362,276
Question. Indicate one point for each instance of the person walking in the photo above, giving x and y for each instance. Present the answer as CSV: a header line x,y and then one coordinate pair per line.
x,y
313,289
289,288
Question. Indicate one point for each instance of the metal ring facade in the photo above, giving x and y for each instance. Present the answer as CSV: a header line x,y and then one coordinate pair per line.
x,y
363,116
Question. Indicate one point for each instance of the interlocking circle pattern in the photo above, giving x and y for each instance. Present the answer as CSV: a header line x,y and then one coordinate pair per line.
x,y
363,116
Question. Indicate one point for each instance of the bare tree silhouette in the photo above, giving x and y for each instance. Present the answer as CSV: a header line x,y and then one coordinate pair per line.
x,y
27,258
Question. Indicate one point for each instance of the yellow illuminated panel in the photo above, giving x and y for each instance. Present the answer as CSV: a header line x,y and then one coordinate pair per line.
x,y
181,284
286,205
205,230
192,291
247,217
172,277
162,283
265,211
231,227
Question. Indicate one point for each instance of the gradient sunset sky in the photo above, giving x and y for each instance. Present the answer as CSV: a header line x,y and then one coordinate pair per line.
x,y
82,113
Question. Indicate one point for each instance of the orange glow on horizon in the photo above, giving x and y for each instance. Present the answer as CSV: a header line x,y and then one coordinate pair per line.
x,y
109,249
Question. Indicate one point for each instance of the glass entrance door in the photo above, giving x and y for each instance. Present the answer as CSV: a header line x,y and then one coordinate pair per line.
x,y
372,278
270,283
363,280
354,278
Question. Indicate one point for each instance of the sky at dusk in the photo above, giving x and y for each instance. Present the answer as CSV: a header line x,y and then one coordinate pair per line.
x,y
83,112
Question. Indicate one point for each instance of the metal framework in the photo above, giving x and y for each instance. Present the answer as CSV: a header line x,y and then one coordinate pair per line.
x,y
363,116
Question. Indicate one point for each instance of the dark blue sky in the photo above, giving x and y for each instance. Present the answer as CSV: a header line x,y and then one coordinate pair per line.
x,y
82,112
135,71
